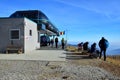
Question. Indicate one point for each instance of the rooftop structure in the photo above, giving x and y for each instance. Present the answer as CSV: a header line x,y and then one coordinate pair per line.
x,y
39,17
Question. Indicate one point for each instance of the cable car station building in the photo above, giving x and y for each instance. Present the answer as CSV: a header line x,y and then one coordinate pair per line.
x,y
23,29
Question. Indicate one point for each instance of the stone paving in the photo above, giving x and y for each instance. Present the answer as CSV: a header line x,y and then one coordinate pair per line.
x,y
45,70
44,55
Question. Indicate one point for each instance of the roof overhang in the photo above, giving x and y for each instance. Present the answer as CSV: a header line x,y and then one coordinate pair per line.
x,y
48,32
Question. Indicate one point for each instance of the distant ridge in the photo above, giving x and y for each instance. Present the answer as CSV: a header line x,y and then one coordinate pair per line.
x,y
114,52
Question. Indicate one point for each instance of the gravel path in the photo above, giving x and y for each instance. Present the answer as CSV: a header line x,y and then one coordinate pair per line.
x,y
44,70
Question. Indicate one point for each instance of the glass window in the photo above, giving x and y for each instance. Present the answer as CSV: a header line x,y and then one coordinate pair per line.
x,y
14,34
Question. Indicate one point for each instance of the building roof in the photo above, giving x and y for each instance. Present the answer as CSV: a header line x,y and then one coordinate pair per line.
x,y
38,17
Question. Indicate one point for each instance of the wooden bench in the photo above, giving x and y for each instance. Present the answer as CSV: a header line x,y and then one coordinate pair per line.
x,y
14,48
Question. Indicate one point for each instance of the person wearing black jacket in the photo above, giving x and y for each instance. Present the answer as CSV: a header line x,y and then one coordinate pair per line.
x,y
103,44
56,42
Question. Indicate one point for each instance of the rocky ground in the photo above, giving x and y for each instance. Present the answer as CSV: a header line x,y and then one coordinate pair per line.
x,y
83,69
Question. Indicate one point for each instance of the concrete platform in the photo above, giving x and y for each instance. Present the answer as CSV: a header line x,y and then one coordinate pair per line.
x,y
44,55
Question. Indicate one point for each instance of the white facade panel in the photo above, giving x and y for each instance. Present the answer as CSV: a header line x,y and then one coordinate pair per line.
x,y
31,36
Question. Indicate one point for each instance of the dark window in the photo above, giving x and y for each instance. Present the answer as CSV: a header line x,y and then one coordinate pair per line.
x,y
38,37
14,34
30,32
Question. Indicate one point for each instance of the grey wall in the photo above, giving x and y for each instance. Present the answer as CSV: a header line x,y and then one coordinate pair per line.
x,y
6,24
27,42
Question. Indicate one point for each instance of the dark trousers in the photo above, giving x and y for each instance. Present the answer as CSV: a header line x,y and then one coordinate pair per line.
x,y
63,45
104,52
56,44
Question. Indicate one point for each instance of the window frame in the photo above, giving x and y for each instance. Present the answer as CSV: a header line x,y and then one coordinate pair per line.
x,y
11,34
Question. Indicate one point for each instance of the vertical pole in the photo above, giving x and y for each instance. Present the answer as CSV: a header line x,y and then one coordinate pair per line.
x,y
66,37
53,39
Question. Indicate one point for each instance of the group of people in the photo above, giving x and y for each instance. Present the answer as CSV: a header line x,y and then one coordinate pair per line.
x,y
103,45
56,42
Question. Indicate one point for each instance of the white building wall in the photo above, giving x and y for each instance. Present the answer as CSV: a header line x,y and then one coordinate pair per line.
x,y
30,41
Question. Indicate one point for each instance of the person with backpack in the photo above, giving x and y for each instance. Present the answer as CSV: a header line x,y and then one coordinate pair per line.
x,y
103,44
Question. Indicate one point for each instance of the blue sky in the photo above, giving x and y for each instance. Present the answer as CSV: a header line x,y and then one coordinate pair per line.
x,y
83,20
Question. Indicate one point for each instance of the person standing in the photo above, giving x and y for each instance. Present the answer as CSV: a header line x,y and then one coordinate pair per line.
x,y
56,42
63,43
93,50
103,44
85,46
80,46
52,42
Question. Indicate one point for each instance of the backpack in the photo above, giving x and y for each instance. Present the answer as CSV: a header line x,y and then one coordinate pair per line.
x,y
106,43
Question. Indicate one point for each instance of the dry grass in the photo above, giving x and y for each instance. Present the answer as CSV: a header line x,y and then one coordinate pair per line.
x,y
75,50
112,64
71,48
114,60
106,65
